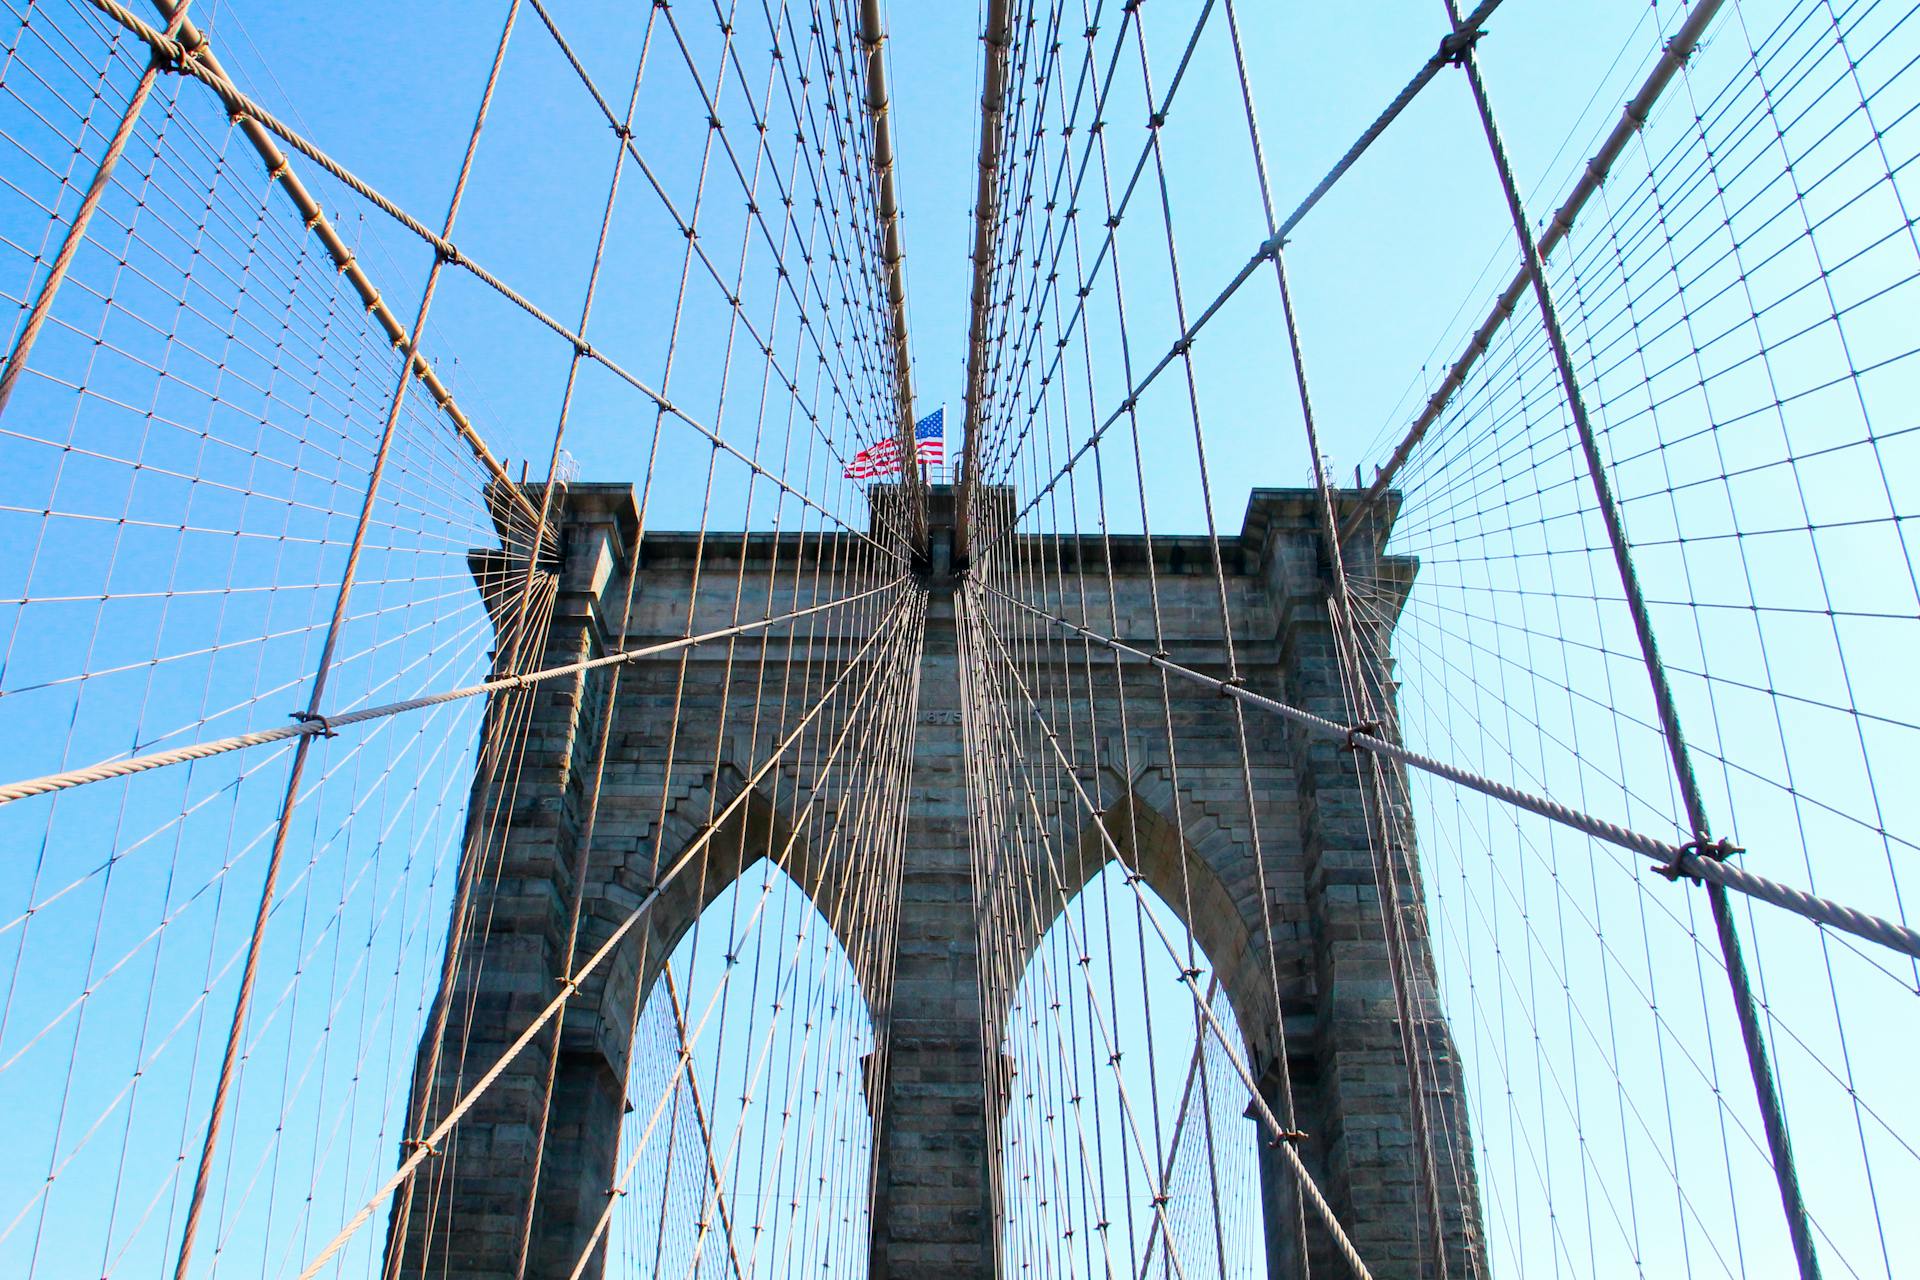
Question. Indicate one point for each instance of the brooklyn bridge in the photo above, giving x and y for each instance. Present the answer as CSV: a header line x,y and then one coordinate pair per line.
x,y
536,740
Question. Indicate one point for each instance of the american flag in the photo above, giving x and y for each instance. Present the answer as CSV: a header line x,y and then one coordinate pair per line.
x,y
882,458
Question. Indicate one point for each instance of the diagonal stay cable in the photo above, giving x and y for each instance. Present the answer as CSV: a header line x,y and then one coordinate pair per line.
x,y
1687,859
1281,1137
572,982
328,724
782,860
1264,253
1633,117
188,62
314,217
624,132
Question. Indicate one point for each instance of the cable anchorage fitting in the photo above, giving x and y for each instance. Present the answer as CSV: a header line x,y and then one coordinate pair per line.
x,y
1370,728
1455,47
167,59
326,729
1701,847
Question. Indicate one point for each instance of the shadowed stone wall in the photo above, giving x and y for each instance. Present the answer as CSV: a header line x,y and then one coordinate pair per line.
x,y
1184,817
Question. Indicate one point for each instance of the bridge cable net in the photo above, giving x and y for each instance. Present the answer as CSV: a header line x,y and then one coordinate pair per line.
x,y
247,477
281,997
1629,594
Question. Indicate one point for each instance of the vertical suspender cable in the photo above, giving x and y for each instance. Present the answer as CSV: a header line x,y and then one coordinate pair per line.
x,y
96,191
873,39
1633,117
236,1031
1764,1087
986,222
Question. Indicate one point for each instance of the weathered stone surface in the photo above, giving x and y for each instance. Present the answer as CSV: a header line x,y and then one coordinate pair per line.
x,y
1184,816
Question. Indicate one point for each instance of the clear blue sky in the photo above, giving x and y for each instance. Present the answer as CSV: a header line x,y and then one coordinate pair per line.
x,y
1382,268
1514,669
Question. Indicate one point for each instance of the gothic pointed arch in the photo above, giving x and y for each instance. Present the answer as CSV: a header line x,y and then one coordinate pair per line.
x,y
1202,867
713,856
1123,1043
748,1093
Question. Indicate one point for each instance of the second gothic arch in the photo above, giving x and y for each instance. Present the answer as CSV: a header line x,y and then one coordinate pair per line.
x,y
1206,875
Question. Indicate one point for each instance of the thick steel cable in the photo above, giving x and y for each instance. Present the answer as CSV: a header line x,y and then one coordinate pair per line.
x,y
806,815
1633,117
189,63
873,38
1759,1063
996,40
1703,864
1282,1137
571,984
314,723
22,349
1261,255
190,40
242,1003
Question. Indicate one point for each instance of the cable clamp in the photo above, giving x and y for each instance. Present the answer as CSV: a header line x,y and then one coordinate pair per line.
x,y
448,253
412,1145
1687,55
1371,728
314,717
1455,47
1287,1136
1231,683
1701,847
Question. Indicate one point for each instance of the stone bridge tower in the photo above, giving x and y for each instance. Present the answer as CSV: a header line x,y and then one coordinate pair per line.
x,y
932,1212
